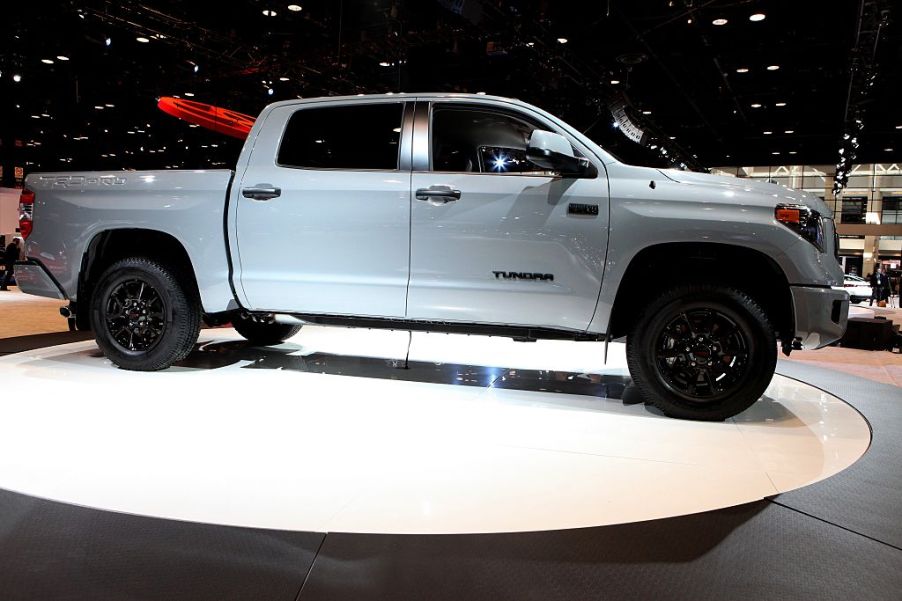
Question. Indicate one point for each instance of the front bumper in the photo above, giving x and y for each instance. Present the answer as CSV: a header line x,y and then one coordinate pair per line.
x,y
821,315
33,278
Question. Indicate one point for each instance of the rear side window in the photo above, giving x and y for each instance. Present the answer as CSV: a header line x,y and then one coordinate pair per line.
x,y
343,137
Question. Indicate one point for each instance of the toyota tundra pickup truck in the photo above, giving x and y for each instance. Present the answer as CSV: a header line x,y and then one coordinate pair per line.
x,y
444,212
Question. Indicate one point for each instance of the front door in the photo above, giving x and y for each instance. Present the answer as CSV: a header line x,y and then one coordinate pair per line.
x,y
494,238
323,215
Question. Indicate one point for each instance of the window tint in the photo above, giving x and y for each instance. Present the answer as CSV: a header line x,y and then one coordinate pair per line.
x,y
480,141
343,137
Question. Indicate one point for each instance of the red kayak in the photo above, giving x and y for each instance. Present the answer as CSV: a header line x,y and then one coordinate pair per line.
x,y
221,120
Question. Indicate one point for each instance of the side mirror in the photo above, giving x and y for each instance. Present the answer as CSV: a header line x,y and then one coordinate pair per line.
x,y
553,152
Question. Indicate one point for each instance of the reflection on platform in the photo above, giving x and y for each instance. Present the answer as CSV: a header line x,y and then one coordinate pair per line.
x,y
372,431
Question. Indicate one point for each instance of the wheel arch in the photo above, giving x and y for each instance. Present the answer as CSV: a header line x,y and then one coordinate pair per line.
x,y
748,270
111,245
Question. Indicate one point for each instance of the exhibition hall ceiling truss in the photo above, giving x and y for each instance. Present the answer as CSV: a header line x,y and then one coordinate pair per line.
x,y
698,83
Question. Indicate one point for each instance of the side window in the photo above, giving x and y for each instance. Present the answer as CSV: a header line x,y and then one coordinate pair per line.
x,y
343,137
480,141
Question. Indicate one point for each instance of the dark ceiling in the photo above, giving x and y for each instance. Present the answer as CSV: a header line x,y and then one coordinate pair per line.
x,y
677,72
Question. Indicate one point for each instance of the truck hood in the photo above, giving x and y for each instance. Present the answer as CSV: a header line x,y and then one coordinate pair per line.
x,y
778,192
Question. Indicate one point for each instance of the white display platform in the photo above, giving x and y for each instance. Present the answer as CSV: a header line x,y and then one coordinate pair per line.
x,y
227,441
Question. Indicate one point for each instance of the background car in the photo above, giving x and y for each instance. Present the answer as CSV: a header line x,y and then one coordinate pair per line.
x,y
858,288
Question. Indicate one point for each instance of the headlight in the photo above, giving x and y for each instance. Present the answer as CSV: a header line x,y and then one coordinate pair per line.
x,y
804,221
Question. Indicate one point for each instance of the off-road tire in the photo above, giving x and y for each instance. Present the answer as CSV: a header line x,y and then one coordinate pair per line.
x,y
264,334
177,311
668,374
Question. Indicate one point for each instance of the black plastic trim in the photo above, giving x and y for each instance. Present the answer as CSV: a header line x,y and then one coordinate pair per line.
x,y
480,329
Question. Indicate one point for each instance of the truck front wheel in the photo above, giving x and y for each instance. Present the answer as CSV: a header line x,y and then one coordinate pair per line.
x,y
702,352
144,316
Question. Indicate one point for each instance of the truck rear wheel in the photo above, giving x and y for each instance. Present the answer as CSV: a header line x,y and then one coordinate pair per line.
x,y
264,334
702,352
144,316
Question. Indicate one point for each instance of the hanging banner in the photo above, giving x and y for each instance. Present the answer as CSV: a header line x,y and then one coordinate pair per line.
x,y
625,124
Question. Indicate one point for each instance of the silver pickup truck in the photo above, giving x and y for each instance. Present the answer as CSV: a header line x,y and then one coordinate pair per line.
x,y
444,212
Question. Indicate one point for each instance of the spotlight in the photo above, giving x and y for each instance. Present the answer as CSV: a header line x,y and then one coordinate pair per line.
x,y
283,79
719,22
196,68
108,41
17,78
614,82
295,8
62,58
270,91
142,39
773,67
269,13
757,17
755,105
780,104
562,40
189,94
742,70
46,61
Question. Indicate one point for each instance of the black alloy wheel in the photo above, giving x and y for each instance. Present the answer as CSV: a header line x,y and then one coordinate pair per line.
x,y
145,315
703,352
135,315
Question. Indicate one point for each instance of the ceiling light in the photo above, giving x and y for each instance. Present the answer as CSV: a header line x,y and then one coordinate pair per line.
x,y
109,105
17,78
99,107
283,79
888,149
719,22
646,112
614,82
189,94
899,127
108,41
792,152
196,68
755,105
757,17
780,104
269,13
775,153
773,67
742,70
672,137
269,91
530,44
62,58
35,116
295,8
46,61
689,21
562,40
142,39
789,131
385,64
480,93
767,133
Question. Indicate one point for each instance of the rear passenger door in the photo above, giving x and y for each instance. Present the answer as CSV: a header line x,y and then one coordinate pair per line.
x,y
323,215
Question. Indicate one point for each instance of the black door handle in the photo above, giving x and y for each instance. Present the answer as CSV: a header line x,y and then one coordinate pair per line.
x,y
261,192
439,193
